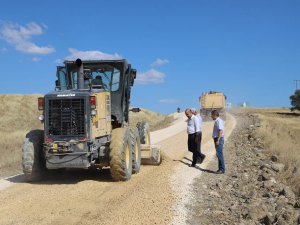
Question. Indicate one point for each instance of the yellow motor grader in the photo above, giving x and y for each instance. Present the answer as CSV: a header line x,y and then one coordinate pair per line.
x,y
86,123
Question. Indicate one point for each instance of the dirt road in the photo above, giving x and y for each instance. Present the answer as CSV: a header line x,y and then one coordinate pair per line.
x,y
90,197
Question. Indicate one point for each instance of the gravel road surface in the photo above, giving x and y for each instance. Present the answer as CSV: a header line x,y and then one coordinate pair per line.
x,y
157,195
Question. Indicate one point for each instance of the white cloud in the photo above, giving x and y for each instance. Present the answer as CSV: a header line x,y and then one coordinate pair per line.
x,y
169,101
20,37
150,77
91,55
36,59
159,62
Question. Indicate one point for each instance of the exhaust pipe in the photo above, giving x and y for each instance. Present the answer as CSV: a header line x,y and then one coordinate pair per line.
x,y
80,74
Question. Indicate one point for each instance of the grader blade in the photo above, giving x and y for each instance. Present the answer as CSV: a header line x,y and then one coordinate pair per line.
x,y
150,155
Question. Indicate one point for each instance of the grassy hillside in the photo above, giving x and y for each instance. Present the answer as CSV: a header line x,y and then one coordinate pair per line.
x,y
19,114
155,120
281,131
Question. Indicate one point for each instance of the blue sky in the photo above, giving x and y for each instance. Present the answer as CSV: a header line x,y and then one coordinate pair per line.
x,y
250,50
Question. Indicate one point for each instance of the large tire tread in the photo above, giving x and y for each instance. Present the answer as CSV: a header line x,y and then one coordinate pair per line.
x,y
33,160
144,130
136,156
119,140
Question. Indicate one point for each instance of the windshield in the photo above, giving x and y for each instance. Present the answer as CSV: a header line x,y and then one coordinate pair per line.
x,y
109,76
95,76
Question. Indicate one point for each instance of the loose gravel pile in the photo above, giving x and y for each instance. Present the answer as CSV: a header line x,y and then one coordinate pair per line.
x,y
249,192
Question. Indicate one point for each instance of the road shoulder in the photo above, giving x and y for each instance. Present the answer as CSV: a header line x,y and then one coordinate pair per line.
x,y
248,193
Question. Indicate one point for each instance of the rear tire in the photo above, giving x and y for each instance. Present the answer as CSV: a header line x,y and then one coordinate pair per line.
x,y
135,144
120,156
33,159
144,131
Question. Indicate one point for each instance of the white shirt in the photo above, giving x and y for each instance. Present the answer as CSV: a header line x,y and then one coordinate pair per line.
x,y
219,125
193,125
200,121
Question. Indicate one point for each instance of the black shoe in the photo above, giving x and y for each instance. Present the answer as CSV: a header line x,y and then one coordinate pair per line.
x,y
193,165
203,157
220,172
199,161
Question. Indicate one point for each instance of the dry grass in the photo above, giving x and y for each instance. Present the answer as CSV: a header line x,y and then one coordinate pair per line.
x,y
155,120
280,130
18,115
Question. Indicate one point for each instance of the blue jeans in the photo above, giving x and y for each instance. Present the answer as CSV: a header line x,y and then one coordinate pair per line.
x,y
219,150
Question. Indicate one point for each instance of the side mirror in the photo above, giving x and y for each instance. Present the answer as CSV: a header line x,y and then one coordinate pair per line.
x,y
132,77
135,110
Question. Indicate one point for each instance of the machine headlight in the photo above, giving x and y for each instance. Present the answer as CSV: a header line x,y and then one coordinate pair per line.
x,y
41,118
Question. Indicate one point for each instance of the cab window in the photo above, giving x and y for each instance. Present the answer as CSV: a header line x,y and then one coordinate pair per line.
x,y
62,77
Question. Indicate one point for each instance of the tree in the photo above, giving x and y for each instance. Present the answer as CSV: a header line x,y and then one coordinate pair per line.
x,y
295,100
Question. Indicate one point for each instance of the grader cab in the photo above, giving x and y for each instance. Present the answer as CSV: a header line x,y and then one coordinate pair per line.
x,y
86,123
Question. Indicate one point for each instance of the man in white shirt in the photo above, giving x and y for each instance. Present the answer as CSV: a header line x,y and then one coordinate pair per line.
x,y
193,130
218,136
194,111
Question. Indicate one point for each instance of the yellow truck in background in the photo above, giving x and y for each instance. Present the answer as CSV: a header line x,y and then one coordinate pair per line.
x,y
212,100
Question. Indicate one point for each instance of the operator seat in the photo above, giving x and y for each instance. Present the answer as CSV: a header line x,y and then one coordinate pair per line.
x,y
98,83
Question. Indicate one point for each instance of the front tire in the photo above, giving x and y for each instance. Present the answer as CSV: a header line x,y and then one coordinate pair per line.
x,y
120,156
33,159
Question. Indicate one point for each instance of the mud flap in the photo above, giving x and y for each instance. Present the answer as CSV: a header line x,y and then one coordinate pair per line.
x,y
150,155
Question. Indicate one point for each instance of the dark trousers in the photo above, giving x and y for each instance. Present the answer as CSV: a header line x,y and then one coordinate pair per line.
x,y
219,150
195,147
199,144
